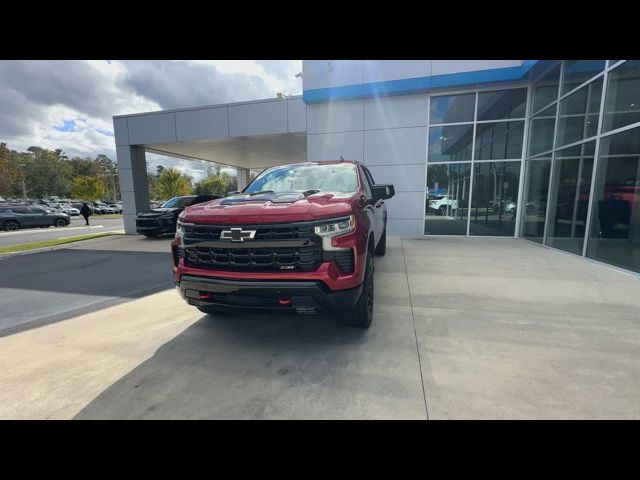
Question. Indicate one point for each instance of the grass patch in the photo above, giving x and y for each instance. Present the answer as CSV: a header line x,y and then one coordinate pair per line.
x,y
52,242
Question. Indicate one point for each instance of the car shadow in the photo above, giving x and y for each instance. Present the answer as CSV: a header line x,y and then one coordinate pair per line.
x,y
50,286
235,366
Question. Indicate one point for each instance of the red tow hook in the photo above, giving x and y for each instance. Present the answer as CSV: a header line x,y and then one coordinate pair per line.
x,y
284,301
205,296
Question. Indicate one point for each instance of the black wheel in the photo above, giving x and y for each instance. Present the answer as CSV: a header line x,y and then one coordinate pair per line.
x,y
11,225
381,248
362,313
442,210
60,222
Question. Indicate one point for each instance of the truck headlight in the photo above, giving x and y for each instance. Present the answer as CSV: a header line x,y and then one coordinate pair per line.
x,y
339,226
179,232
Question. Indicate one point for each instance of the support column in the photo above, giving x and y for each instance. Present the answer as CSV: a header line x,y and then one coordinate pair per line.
x,y
132,168
243,177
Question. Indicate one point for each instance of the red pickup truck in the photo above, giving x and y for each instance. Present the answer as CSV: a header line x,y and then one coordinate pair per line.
x,y
299,238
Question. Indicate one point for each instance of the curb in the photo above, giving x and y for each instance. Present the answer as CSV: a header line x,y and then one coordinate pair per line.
x,y
58,247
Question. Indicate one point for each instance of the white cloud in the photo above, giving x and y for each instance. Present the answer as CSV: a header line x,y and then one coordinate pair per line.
x,y
36,96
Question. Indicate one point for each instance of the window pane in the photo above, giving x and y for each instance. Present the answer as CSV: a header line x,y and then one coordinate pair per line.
x,y
450,144
578,118
622,103
498,141
452,108
569,198
502,104
541,129
579,71
615,224
493,202
545,90
536,187
447,199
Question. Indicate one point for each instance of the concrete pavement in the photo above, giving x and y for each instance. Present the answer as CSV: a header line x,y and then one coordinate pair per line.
x,y
463,328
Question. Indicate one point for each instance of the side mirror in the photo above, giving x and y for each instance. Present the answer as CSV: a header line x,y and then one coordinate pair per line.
x,y
383,191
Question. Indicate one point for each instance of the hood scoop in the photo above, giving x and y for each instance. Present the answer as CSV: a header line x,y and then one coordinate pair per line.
x,y
263,197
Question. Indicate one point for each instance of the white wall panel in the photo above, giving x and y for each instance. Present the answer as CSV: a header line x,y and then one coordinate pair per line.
x,y
340,116
395,146
395,112
330,146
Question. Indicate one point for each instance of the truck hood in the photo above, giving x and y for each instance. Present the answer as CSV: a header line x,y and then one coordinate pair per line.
x,y
156,212
270,208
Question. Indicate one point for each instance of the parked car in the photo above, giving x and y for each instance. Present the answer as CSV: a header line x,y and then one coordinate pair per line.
x,y
117,208
71,211
299,238
15,218
162,220
441,204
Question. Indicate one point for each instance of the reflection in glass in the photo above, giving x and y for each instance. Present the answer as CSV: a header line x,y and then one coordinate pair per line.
x,y
494,198
577,72
545,90
450,144
499,140
452,108
447,199
541,130
578,117
615,221
536,187
502,104
569,198
622,102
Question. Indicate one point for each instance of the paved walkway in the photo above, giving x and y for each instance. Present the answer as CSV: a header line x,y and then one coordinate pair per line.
x,y
463,328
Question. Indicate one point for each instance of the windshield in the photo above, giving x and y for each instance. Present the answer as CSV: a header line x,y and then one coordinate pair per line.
x,y
332,177
177,202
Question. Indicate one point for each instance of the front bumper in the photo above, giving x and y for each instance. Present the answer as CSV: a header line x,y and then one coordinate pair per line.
x,y
274,295
154,226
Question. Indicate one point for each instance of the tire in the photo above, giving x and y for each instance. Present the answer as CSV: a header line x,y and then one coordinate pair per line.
x,y
381,248
442,211
11,225
60,223
361,315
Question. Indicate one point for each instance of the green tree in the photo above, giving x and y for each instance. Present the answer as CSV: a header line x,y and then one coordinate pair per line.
x,y
172,183
88,188
216,183
9,171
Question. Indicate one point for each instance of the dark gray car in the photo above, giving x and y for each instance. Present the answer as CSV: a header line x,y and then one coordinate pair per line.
x,y
14,218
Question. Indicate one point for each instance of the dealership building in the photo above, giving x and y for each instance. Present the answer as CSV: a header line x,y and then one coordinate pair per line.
x,y
548,151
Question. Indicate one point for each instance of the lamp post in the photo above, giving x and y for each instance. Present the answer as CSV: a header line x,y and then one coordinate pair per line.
x,y
24,188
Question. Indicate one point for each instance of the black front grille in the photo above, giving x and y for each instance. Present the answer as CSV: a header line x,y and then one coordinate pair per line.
x,y
147,222
263,232
290,247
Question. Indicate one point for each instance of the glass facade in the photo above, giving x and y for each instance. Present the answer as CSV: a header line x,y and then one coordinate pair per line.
x,y
581,190
474,160
557,163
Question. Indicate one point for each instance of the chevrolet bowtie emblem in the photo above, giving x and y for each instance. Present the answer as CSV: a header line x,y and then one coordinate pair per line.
x,y
237,234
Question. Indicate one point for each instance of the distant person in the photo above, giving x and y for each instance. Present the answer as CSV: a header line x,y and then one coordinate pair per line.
x,y
85,211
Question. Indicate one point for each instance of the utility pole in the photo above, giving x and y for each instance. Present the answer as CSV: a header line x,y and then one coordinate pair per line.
x,y
24,188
